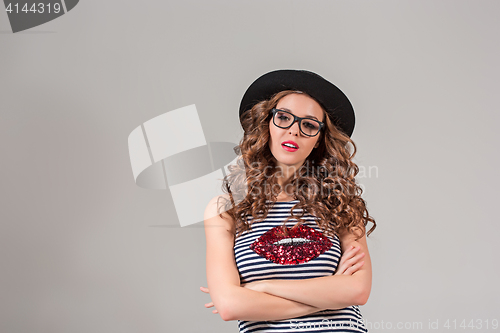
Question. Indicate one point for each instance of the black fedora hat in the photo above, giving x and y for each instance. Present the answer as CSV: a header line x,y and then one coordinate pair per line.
x,y
331,98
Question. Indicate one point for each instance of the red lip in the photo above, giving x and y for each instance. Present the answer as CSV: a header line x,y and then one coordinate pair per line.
x,y
309,244
290,148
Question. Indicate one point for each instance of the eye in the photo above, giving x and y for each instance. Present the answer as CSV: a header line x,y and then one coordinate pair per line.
x,y
282,116
310,124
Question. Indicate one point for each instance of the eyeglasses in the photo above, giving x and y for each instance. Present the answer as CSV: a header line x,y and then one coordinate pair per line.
x,y
285,119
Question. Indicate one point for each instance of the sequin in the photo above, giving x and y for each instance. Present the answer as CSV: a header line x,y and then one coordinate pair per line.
x,y
301,245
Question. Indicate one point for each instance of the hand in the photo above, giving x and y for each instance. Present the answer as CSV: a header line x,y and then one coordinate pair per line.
x,y
350,262
211,304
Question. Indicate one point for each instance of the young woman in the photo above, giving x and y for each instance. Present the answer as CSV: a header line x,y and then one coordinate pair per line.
x,y
286,245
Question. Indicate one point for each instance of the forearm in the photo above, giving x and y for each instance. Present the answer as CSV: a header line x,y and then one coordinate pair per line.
x,y
246,304
328,292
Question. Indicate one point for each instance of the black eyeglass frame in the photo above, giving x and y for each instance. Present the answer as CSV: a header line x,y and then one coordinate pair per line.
x,y
295,119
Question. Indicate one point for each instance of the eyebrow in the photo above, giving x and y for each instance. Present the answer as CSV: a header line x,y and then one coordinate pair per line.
x,y
307,115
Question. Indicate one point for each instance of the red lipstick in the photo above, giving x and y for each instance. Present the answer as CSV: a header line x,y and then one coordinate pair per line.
x,y
290,145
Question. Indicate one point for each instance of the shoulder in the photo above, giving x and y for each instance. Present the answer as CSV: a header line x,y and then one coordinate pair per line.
x,y
215,209
216,206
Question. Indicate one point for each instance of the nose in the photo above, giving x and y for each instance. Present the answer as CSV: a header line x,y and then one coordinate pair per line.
x,y
294,129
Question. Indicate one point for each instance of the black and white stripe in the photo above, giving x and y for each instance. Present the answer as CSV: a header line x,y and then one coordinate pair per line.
x,y
253,267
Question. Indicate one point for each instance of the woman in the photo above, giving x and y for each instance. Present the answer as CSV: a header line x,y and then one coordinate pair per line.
x,y
286,246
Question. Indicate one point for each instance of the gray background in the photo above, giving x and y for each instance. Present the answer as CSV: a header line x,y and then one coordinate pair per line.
x,y
84,249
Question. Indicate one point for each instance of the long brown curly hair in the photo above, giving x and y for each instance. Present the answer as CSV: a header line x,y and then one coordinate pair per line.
x,y
325,185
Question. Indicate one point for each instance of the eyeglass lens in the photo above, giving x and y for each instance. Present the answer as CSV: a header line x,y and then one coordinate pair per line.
x,y
307,126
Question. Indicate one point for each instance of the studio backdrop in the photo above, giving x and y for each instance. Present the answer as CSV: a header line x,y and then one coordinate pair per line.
x,y
94,161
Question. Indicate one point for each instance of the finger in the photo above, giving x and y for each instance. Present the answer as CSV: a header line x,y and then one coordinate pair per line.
x,y
205,290
353,269
341,269
215,311
352,249
209,305
347,264
346,257
352,252
355,259
349,254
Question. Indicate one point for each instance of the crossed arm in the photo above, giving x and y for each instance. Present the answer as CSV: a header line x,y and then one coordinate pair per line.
x,y
279,299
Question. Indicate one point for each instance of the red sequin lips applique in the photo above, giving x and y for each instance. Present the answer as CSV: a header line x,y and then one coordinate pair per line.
x,y
302,244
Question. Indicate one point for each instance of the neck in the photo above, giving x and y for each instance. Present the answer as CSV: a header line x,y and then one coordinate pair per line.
x,y
284,174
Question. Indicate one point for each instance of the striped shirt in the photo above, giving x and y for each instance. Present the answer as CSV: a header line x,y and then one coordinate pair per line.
x,y
263,253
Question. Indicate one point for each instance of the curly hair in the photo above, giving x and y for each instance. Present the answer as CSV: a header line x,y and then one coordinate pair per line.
x,y
325,185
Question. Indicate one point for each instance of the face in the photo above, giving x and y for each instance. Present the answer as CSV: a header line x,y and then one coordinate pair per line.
x,y
301,106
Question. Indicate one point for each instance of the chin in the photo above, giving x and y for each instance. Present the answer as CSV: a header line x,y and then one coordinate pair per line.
x,y
286,160
290,163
